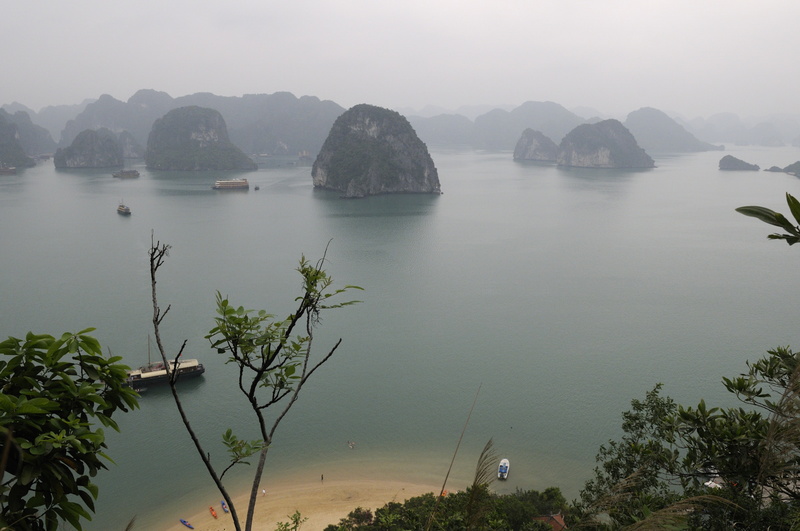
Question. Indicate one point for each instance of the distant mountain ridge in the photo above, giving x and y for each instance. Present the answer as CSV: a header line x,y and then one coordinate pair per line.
x,y
272,124
281,123
657,132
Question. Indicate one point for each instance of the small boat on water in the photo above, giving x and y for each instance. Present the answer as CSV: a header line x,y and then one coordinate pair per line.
x,y
157,373
232,184
8,170
213,512
502,470
224,506
126,174
123,210
187,524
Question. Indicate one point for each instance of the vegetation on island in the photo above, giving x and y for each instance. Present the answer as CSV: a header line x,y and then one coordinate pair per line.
x,y
371,150
193,138
92,148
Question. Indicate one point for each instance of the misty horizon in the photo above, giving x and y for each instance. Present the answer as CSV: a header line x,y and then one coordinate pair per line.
x,y
684,58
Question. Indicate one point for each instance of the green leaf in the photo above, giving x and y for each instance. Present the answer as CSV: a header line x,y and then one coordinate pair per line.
x,y
794,206
764,214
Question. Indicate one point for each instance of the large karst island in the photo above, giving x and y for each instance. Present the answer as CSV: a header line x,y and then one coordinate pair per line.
x,y
371,150
605,144
91,149
193,138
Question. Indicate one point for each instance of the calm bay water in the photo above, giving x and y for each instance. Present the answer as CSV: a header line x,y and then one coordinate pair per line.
x,y
561,293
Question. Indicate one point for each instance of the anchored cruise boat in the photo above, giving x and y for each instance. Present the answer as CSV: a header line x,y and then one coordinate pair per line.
x,y
158,374
232,184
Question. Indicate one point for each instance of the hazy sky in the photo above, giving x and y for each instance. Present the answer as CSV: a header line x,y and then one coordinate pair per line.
x,y
694,57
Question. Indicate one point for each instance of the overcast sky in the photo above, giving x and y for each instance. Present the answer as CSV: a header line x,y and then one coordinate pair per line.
x,y
693,57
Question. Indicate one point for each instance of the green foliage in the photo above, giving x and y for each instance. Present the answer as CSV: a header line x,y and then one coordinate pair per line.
x,y
657,475
52,393
777,219
239,450
273,358
631,480
294,523
507,511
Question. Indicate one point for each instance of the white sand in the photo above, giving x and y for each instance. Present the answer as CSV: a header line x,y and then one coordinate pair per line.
x,y
322,502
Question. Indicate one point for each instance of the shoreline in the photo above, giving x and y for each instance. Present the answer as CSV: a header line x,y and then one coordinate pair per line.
x,y
323,502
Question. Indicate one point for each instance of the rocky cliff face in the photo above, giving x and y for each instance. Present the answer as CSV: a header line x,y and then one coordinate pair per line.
x,y
606,144
34,139
91,149
371,151
11,151
533,145
193,138
731,163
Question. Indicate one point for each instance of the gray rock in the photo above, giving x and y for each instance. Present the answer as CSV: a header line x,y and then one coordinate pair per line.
x,y
731,163
533,145
91,149
606,144
193,138
371,151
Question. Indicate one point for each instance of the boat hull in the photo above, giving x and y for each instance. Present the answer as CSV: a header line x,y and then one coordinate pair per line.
x,y
156,375
502,470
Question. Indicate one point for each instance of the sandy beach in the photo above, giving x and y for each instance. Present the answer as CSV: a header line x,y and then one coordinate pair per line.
x,y
322,502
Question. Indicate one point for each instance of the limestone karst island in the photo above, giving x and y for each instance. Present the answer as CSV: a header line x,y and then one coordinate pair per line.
x,y
371,151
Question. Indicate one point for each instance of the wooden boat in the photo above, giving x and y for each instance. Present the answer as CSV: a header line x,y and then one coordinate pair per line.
x,y
213,512
123,210
502,470
232,184
156,373
187,524
224,506
126,174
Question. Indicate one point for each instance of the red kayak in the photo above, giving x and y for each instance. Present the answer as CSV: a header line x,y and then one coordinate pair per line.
x,y
213,512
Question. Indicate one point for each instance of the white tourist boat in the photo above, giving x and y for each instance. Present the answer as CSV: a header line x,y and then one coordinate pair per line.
x,y
232,184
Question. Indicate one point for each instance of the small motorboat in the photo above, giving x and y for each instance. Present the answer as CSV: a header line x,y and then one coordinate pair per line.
x,y
224,506
213,512
187,524
502,470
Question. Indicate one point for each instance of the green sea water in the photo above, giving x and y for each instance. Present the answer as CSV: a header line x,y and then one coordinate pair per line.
x,y
553,295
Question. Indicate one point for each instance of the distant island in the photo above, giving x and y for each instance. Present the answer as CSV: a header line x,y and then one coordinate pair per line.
x,y
731,163
91,149
193,138
535,146
656,132
606,144
371,150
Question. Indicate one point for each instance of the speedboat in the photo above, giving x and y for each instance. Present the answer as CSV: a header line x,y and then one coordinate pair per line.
x,y
502,470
